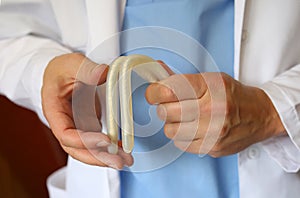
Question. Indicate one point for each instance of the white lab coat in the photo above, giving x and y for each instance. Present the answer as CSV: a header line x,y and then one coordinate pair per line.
x,y
267,54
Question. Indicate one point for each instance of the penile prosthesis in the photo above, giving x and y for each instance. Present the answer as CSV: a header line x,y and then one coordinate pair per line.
x,y
119,96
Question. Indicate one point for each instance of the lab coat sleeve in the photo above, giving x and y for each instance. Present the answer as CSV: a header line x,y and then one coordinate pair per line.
x,y
284,91
22,63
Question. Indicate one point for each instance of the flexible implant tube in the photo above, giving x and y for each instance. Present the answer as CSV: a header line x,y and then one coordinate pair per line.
x,y
120,71
112,103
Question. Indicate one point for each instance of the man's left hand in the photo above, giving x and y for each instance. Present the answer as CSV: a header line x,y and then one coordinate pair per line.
x,y
211,113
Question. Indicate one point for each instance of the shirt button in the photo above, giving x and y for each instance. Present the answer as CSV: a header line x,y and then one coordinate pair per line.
x,y
244,36
253,153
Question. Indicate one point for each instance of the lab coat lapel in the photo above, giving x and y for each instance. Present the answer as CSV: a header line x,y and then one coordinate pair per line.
x,y
105,20
239,9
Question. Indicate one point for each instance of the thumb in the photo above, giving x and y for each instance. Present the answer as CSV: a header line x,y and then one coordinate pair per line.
x,y
92,73
176,88
166,67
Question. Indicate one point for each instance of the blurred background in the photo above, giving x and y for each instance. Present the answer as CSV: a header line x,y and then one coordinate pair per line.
x,y
29,153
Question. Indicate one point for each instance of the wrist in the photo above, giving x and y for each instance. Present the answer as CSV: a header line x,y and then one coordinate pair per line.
x,y
274,124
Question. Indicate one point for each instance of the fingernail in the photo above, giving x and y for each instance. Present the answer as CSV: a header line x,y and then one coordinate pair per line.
x,y
102,143
110,163
113,149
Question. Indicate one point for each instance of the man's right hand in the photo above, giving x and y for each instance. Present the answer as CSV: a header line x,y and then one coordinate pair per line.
x,y
72,79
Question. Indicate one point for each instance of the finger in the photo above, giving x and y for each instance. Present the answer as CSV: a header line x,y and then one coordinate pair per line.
x,y
112,160
84,156
186,131
210,140
92,73
186,110
75,67
166,67
59,115
196,146
84,70
127,158
61,122
84,106
176,88
82,140
97,158
183,111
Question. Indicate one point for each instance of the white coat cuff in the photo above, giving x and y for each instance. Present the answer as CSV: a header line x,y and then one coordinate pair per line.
x,y
35,73
284,150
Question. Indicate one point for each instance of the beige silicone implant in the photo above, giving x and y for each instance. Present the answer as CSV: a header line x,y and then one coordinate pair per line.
x,y
119,86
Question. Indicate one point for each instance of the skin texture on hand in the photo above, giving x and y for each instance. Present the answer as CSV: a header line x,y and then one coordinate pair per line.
x,y
72,79
211,113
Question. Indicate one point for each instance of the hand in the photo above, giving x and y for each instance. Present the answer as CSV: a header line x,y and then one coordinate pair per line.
x,y
71,106
211,113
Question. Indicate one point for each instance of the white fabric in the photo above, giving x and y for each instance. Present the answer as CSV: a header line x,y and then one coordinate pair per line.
x,y
91,181
239,8
22,64
269,58
267,55
56,184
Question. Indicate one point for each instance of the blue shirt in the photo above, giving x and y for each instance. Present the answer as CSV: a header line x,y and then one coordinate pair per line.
x,y
160,169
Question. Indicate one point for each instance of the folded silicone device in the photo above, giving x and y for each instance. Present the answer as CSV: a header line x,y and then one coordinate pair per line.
x,y
118,92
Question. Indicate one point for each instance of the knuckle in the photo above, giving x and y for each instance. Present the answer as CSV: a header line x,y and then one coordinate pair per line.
x,y
218,147
225,78
231,113
224,131
205,107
